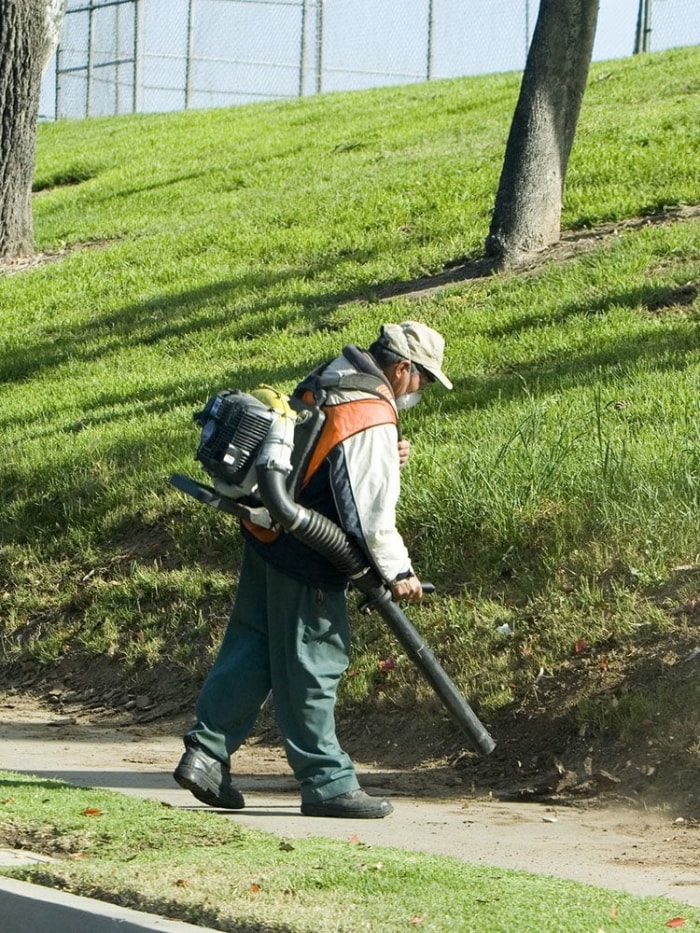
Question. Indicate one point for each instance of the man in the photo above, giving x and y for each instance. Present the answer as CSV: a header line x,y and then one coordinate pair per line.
x,y
288,633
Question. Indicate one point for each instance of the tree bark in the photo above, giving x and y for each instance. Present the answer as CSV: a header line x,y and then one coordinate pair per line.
x,y
27,38
527,212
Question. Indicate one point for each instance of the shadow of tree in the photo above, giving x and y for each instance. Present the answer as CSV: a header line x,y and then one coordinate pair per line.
x,y
547,373
202,309
186,313
647,298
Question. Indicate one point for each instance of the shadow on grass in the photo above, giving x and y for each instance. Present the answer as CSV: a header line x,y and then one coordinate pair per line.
x,y
647,298
44,517
211,308
57,502
547,373
208,308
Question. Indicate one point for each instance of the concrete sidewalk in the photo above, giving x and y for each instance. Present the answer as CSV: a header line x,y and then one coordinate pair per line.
x,y
626,850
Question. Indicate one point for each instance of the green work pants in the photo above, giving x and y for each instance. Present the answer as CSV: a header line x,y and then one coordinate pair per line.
x,y
293,640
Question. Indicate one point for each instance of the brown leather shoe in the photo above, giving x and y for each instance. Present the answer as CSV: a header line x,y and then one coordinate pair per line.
x,y
355,804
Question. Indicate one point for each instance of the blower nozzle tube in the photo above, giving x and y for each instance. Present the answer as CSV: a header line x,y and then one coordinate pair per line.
x,y
323,535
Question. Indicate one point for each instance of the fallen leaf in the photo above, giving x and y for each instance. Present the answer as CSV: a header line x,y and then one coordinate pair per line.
x,y
286,846
354,840
675,922
182,883
614,912
387,664
254,888
580,645
549,819
9,800
92,811
417,920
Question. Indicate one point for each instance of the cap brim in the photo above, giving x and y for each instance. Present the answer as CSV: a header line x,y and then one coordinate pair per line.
x,y
439,376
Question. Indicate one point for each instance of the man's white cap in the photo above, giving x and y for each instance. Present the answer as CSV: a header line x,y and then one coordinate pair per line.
x,y
419,344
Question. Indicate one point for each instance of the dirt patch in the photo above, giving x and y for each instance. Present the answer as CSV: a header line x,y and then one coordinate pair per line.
x,y
24,263
547,750
572,244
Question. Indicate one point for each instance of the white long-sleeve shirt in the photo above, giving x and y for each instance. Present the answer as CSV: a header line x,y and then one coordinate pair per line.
x,y
353,480
368,462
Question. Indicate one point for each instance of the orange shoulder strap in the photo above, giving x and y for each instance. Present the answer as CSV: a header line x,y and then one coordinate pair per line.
x,y
345,420
342,421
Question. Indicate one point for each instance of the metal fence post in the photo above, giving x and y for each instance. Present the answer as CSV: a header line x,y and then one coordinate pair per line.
x,y
117,46
319,46
188,60
527,28
642,42
302,47
90,57
429,62
57,82
137,57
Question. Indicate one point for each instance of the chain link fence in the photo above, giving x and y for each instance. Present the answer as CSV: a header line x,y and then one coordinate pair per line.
x,y
126,56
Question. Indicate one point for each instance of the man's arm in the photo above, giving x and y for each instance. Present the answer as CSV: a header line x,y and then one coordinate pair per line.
x,y
370,468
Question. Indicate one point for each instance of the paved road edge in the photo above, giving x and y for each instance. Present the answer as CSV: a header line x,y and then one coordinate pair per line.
x,y
25,906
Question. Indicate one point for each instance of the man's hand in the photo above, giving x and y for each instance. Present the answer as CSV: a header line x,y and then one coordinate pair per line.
x,y
408,590
404,453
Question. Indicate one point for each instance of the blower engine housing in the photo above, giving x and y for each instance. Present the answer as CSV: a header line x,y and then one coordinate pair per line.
x,y
234,425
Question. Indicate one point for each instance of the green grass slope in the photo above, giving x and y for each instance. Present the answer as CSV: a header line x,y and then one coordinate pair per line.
x,y
556,490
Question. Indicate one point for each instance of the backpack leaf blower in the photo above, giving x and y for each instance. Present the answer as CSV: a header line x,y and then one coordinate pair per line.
x,y
254,447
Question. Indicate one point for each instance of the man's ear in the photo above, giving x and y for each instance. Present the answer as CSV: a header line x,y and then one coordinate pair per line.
x,y
396,373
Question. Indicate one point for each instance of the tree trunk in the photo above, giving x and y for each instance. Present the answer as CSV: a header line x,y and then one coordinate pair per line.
x,y
527,213
25,47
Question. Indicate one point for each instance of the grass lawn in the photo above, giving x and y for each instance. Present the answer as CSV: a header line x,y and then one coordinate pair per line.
x,y
202,868
555,491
